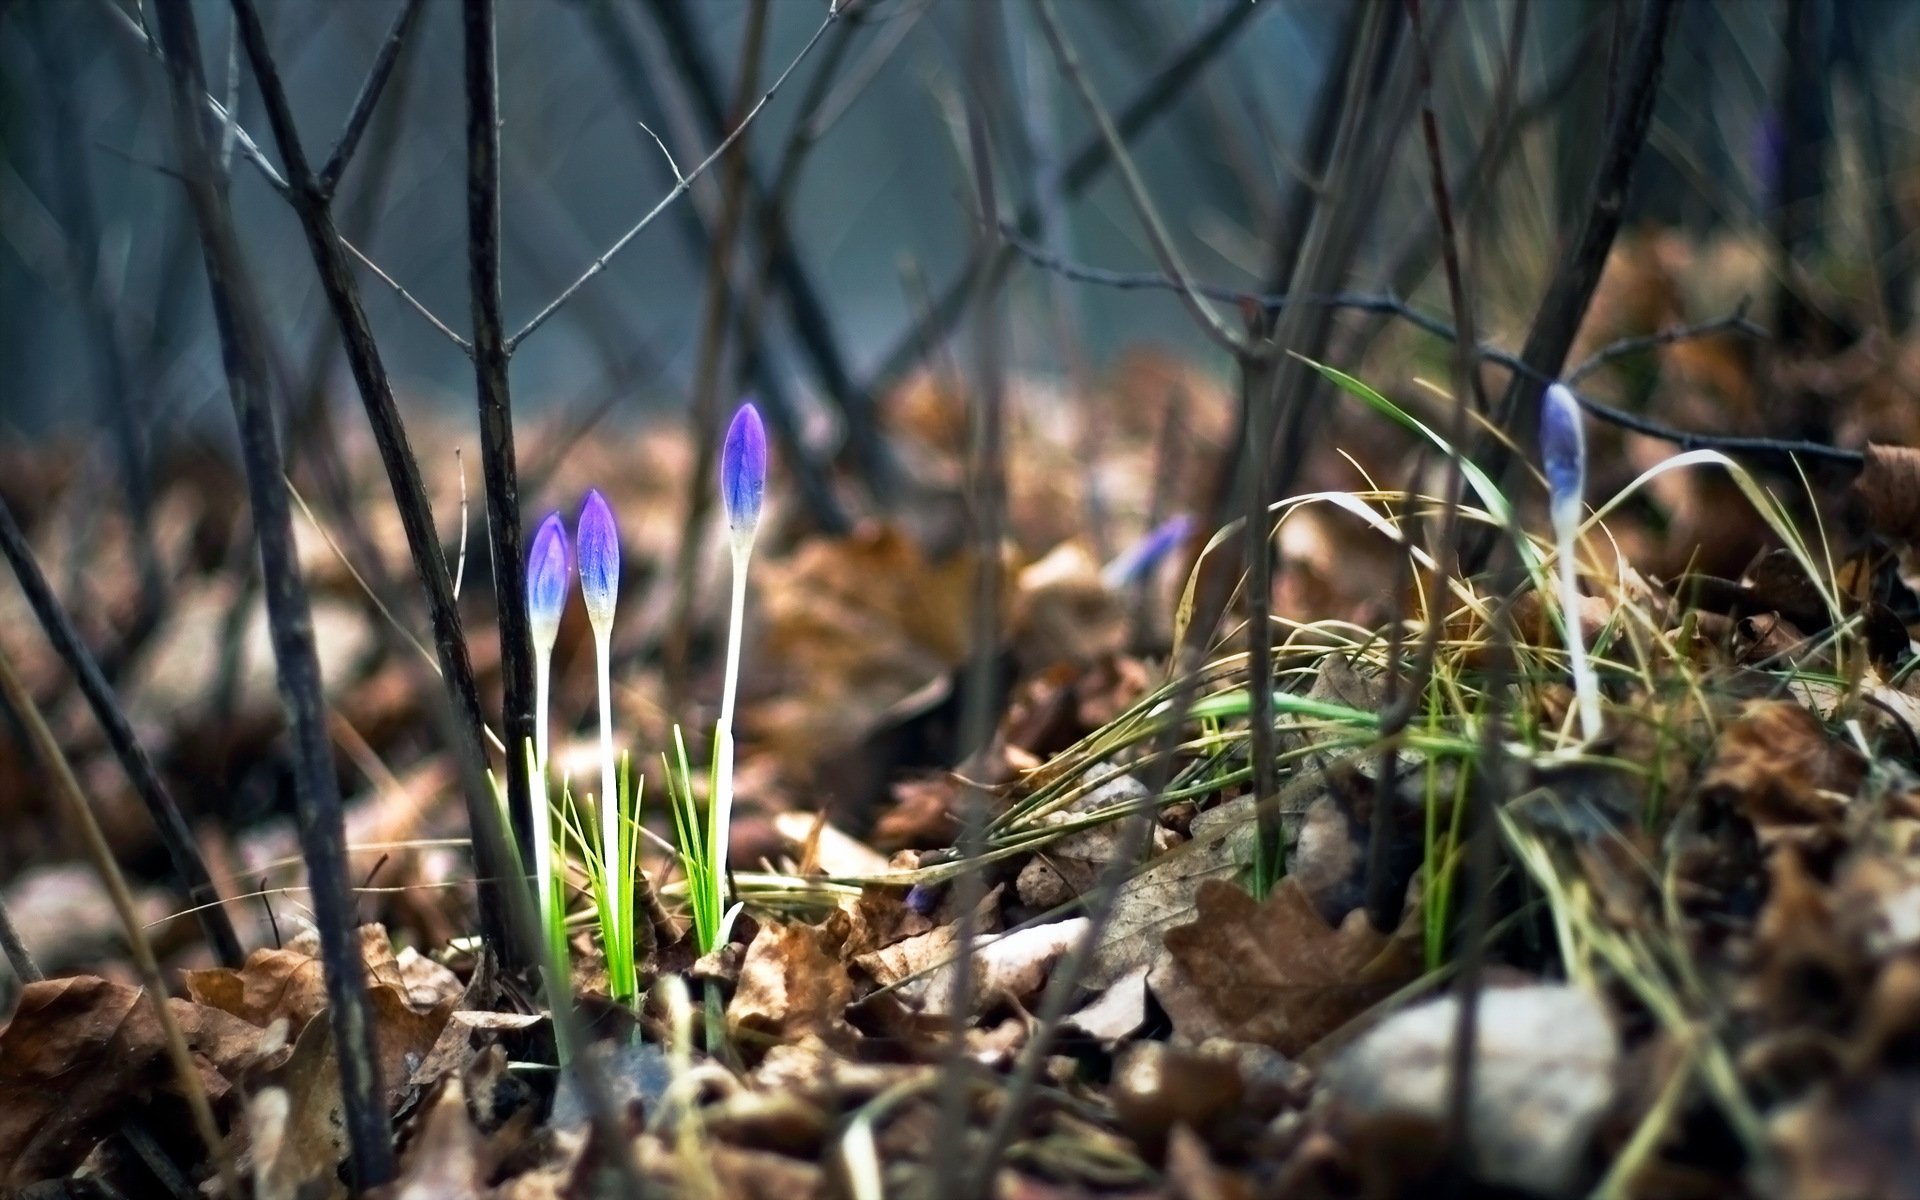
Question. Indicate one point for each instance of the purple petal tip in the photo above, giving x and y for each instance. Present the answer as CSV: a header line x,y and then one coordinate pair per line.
x,y
599,557
743,469
1563,445
547,580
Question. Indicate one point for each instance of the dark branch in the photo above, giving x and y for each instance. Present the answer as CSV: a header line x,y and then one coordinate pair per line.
x,y
490,352
182,850
1393,306
309,198
1084,166
812,322
679,188
322,829
1565,305
368,99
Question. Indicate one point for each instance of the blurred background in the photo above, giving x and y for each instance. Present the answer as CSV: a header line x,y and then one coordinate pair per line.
x,y
97,258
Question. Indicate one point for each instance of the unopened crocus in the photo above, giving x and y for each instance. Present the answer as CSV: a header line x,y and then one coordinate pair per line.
x,y
1563,460
743,472
1138,561
547,586
548,582
598,540
743,481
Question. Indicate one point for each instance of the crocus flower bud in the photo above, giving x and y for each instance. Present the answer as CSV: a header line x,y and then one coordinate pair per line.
x,y
1139,560
599,557
743,470
547,581
1563,452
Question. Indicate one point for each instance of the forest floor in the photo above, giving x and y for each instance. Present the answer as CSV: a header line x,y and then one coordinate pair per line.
x,y
1690,947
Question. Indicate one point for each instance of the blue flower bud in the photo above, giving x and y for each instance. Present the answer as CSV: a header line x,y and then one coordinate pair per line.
x,y
547,580
598,551
1140,559
1563,452
743,470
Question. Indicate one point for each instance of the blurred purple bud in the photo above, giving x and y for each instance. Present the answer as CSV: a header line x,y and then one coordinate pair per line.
x,y
547,580
1139,560
743,469
598,552
1563,448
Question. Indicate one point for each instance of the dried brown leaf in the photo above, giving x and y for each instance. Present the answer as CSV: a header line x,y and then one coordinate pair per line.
x,y
791,984
1889,484
1274,973
81,1052
1778,766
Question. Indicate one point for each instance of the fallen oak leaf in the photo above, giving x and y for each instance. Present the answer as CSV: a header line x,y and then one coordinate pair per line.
x,y
81,1053
1889,485
1276,973
791,984
1777,766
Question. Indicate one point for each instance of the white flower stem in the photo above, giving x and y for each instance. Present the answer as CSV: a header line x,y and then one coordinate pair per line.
x,y
729,696
610,848
1586,688
542,820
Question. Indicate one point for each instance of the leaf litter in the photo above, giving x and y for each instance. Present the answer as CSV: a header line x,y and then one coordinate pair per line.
x,y
1702,972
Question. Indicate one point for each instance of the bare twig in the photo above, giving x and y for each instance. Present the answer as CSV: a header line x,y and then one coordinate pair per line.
x,y
1084,165
812,321
704,414
182,850
321,827
1486,792
491,350
1402,700
1390,305
600,264
1565,303
18,957
1158,238
756,363
369,97
310,200
986,484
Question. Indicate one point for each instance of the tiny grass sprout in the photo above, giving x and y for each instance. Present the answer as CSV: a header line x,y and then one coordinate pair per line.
x,y
548,582
1563,459
598,555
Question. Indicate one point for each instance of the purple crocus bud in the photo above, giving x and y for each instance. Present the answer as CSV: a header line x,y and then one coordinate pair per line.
x,y
547,580
1563,452
1139,559
599,557
743,470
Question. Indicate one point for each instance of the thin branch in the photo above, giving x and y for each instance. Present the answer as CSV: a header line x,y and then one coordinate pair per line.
x,y
1384,898
369,97
757,364
322,829
490,353
986,485
600,264
715,307
1084,166
310,200
1390,305
249,149
813,325
1565,304
1157,236
182,850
